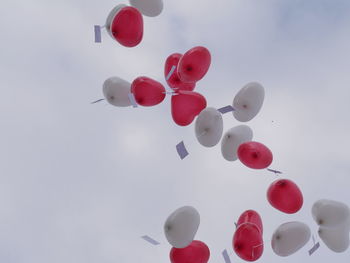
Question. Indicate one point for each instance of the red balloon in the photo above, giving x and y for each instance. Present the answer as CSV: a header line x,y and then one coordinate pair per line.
x,y
127,26
247,242
196,252
254,155
251,216
194,64
285,196
186,106
147,92
174,81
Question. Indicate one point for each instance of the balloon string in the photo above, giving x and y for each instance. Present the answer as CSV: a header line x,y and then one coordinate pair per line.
x,y
96,101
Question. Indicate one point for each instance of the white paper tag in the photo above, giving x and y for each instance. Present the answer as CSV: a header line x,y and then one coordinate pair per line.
x,y
274,171
226,256
150,240
181,150
314,248
226,109
98,38
132,100
170,72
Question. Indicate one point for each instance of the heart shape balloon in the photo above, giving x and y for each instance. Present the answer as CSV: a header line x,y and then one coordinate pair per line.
x,y
251,216
285,195
329,213
255,155
116,90
150,8
336,239
186,106
127,26
147,91
196,252
209,127
174,80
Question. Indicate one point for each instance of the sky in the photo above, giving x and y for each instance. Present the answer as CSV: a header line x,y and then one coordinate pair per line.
x,y
80,183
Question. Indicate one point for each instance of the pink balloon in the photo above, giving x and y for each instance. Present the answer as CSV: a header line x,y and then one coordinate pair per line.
x,y
251,216
147,92
196,252
254,155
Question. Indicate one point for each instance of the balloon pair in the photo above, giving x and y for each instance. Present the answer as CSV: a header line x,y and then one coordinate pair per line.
x,y
333,218
125,23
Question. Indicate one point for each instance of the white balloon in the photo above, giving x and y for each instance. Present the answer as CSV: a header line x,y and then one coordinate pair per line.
x,y
248,101
148,7
336,239
289,238
232,139
111,17
181,226
209,127
116,91
329,213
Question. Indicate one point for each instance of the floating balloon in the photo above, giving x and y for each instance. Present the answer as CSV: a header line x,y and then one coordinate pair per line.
x,y
285,195
127,26
336,239
251,216
111,16
209,127
329,213
186,106
147,91
232,139
148,7
196,252
116,91
194,64
289,238
174,81
248,102
247,242
254,155
181,226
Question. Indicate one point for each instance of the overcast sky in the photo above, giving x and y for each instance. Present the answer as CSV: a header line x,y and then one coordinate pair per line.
x,y
81,183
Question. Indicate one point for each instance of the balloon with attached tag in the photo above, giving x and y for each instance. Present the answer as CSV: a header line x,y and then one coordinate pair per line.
x,y
232,139
209,127
186,106
111,16
336,239
251,216
127,26
147,91
194,64
150,8
329,213
181,226
174,80
289,237
196,252
285,195
255,155
116,90
248,101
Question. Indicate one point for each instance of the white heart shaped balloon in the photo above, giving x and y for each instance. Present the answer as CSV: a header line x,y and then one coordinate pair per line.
x,y
336,239
329,213
111,16
116,91
248,101
232,139
181,226
209,127
289,238
148,7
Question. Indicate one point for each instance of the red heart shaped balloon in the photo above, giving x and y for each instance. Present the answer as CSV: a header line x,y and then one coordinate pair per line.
x,y
251,216
127,27
196,252
194,64
174,81
285,196
254,155
247,242
186,106
147,91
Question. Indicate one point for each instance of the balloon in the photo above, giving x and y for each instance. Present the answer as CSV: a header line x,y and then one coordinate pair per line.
x,y
147,91
196,252
111,16
336,239
254,155
251,216
285,195
127,26
247,242
328,213
174,81
194,64
181,226
148,7
209,127
186,106
116,91
232,139
248,102
289,238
